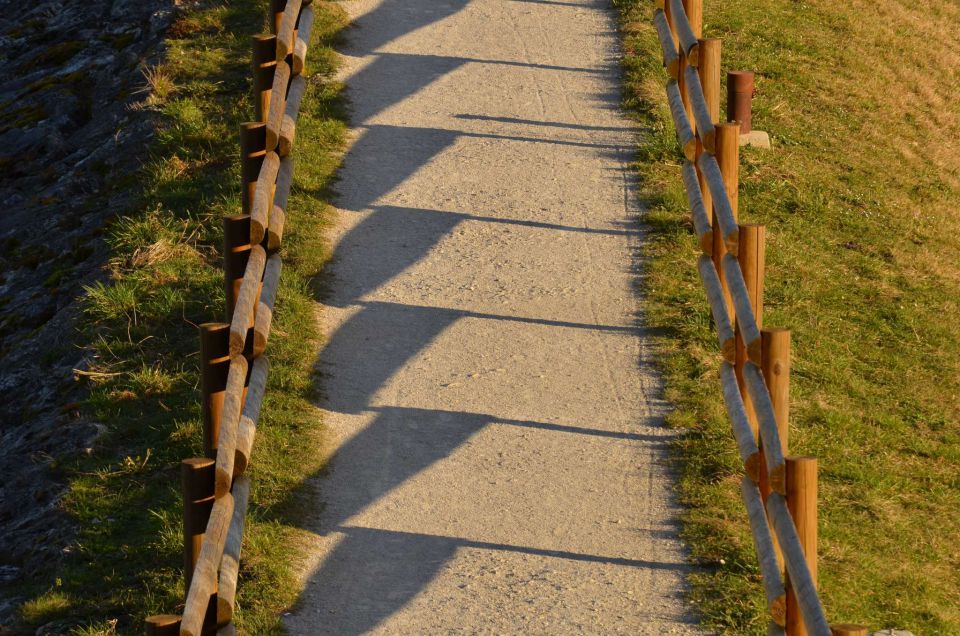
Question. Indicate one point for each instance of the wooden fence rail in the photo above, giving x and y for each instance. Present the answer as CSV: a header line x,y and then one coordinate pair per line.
x,y
233,365
778,490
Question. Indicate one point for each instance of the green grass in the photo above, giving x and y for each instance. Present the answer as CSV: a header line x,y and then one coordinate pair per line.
x,y
165,278
859,197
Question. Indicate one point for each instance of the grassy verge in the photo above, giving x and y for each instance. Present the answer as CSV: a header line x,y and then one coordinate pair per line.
x,y
165,278
859,197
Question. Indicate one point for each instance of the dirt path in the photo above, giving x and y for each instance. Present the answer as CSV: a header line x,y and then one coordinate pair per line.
x,y
499,461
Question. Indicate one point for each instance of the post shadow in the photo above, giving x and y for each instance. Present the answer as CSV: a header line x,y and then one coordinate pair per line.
x,y
372,573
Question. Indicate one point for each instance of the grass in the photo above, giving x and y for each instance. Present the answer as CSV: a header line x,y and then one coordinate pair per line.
x,y
140,326
859,196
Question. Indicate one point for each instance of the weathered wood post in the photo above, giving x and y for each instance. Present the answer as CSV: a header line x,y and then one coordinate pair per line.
x,y
253,148
775,365
236,253
276,11
214,364
728,158
694,12
264,67
668,12
709,72
197,475
752,257
802,504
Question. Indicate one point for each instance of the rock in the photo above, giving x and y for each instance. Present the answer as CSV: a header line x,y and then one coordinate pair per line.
x,y
755,138
892,632
65,64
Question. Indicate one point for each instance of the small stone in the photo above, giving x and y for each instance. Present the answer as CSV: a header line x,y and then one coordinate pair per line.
x,y
756,139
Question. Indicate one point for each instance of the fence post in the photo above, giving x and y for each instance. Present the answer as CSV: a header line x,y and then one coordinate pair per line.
x,y
802,504
276,12
740,99
214,364
709,72
264,66
198,487
668,13
751,256
236,253
694,11
775,366
848,629
163,625
253,149
728,158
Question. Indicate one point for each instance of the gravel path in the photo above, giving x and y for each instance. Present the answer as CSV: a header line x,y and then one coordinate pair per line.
x,y
498,455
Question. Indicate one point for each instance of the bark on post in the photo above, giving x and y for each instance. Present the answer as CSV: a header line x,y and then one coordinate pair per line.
x,y
802,504
709,71
253,148
264,67
751,256
728,158
214,364
236,253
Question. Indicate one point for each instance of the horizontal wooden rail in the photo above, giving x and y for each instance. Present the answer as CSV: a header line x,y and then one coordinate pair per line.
x,y
688,39
671,58
204,582
303,39
261,327
698,211
766,553
767,421
247,299
288,24
278,103
688,140
278,217
263,197
711,283
740,422
701,114
288,127
746,321
722,208
229,421
247,429
810,607
230,563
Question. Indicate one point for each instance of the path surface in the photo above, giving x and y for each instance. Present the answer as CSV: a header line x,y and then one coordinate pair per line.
x,y
498,457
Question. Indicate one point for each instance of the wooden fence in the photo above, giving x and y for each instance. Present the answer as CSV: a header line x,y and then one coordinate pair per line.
x,y
778,490
233,367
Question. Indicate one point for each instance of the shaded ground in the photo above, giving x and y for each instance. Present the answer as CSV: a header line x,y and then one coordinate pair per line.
x,y
499,461
70,142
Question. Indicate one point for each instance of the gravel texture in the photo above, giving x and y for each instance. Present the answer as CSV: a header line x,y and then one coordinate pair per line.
x,y
499,462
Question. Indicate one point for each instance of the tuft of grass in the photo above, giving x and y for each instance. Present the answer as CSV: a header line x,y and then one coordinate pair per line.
x,y
159,84
859,196
165,278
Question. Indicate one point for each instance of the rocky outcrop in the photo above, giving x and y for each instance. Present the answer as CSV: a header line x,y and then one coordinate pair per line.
x,y
70,141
